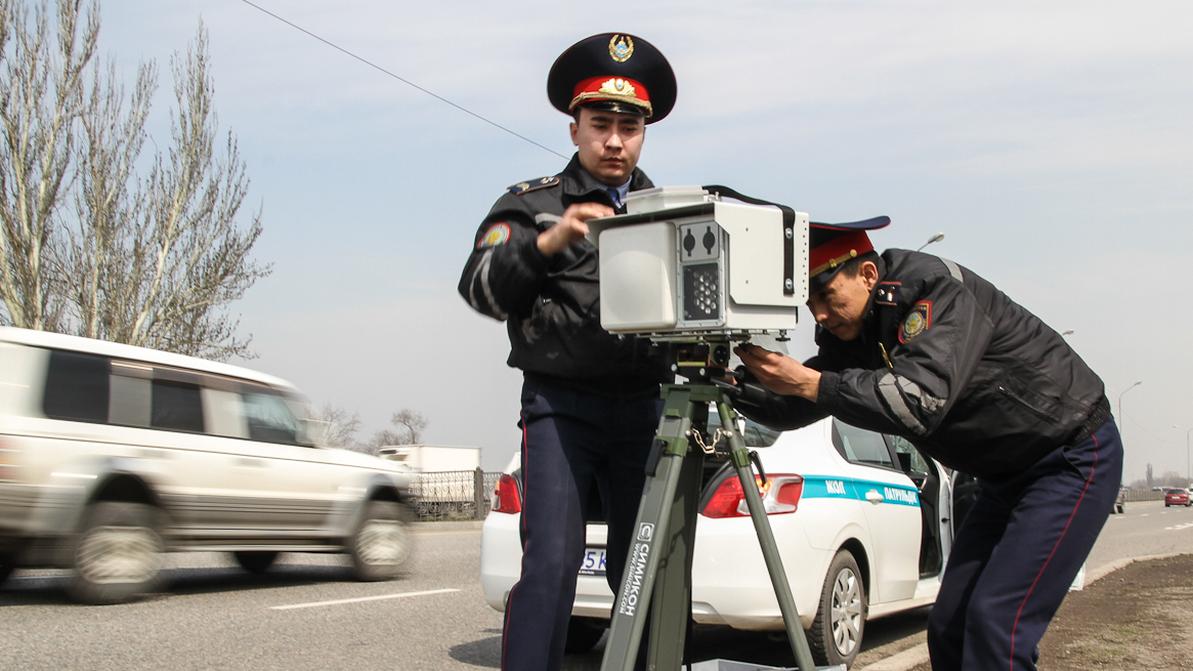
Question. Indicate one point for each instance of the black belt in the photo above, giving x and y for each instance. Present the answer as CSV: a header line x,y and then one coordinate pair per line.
x,y
1097,417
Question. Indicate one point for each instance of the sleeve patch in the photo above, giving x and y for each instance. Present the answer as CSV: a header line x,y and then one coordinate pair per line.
x,y
533,185
917,321
497,234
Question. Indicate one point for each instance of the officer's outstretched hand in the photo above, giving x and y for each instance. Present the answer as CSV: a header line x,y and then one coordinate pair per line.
x,y
779,372
571,227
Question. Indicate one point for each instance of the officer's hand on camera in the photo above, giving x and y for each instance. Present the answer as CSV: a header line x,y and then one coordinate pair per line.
x,y
571,227
743,390
778,372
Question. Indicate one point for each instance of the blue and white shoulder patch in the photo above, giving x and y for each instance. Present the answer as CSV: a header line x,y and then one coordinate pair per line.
x,y
533,185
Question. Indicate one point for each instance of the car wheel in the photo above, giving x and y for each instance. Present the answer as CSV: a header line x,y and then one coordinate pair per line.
x,y
382,542
118,554
836,634
1119,508
584,633
257,561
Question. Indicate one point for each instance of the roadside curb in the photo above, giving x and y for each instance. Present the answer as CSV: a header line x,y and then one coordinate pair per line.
x,y
917,655
1107,569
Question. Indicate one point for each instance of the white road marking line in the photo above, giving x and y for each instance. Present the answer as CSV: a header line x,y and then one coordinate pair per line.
x,y
336,602
1186,525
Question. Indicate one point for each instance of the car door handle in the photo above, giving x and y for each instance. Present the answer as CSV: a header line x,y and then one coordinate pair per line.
x,y
874,497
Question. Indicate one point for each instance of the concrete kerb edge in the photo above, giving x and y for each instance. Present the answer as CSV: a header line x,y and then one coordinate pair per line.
x,y
917,655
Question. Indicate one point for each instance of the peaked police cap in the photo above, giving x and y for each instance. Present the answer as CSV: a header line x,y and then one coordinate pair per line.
x,y
614,71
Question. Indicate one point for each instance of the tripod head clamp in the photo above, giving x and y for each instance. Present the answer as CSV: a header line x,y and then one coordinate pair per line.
x,y
744,390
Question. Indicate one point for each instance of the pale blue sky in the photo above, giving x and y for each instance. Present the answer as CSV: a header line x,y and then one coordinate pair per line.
x,y
1050,143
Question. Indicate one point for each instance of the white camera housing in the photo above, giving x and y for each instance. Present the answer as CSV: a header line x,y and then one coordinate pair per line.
x,y
682,264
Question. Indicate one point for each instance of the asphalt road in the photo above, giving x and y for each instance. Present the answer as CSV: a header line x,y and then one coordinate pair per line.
x,y
307,613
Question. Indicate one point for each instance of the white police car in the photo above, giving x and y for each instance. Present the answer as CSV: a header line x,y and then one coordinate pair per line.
x,y
862,521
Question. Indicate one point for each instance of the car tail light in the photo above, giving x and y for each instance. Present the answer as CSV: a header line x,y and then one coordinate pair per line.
x,y
780,495
505,496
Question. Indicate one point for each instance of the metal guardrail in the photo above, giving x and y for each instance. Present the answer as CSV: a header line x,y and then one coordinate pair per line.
x,y
1137,494
467,495
453,495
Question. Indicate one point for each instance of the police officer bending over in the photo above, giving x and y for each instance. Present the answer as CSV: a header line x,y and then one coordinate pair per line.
x,y
590,400
918,346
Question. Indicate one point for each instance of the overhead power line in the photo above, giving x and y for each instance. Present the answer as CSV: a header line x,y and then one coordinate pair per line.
x,y
373,65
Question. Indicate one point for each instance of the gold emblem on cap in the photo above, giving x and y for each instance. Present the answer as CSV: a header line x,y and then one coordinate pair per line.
x,y
618,87
621,47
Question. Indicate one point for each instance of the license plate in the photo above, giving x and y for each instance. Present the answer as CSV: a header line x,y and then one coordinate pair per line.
x,y
593,562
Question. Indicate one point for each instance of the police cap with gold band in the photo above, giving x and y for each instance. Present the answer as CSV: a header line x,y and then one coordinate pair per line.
x,y
831,246
616,72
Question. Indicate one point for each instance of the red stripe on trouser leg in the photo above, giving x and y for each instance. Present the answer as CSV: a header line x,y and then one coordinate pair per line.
x,y
1088,481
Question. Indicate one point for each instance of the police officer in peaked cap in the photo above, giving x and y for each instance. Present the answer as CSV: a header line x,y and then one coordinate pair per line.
x,y
590,400
918,346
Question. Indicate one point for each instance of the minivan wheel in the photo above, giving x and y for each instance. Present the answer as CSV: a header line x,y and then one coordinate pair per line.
x,y
118,553
584,633
382,542
836,634
256,561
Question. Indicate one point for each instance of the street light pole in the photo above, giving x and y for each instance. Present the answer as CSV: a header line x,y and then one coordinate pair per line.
x,y
936,238
1122,423
1188,473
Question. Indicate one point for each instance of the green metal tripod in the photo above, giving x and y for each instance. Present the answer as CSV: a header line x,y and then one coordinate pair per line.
x,y
659,566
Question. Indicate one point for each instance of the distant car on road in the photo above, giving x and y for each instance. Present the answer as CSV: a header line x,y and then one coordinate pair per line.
x,y
111,455
1120,502
862,522
1177,496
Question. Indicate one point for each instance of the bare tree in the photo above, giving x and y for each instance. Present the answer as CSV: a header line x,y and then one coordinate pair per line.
x,y
40,99
410,425
407,429
151,260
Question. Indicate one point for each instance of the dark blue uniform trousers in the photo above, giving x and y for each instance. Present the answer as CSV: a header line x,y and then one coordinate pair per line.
x,y
571,441
1017,553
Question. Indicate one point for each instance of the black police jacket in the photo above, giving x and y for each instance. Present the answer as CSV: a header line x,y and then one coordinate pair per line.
x,y
551,305
951,363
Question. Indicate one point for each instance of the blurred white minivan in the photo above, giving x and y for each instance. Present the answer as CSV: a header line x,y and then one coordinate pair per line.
x,y
111,455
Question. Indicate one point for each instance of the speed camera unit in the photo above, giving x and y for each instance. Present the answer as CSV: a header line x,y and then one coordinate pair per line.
x,y
685,264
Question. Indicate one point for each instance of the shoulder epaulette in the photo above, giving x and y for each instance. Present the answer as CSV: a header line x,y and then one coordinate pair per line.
x,y
533,185
888,293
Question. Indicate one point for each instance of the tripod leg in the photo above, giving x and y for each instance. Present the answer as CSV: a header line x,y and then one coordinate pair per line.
x,y
651,536
671,607
770,550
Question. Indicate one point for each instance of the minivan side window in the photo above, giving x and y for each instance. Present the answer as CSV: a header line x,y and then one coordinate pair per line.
x,y
76,387
269,418
176,406
861,446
